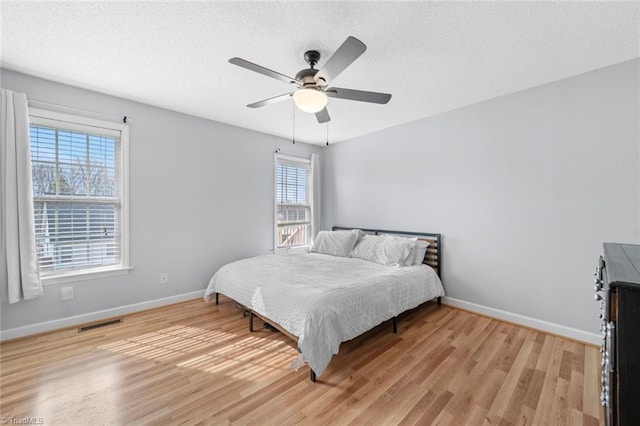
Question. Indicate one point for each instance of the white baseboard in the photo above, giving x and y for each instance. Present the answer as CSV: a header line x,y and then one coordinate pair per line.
x,y
561,330
75,320
42,327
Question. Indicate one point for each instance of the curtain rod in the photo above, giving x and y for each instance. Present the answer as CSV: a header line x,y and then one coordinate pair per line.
x,y
124,119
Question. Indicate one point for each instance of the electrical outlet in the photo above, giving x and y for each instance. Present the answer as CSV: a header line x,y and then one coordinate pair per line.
x,y
164,278
66,293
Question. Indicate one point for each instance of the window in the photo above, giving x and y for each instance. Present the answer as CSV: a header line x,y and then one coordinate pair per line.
x,y
293,201
79,194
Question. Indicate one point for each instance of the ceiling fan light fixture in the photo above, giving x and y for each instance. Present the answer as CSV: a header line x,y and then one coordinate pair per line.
x,y
313,85
310,100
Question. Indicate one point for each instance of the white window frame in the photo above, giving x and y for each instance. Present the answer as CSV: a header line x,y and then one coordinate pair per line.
x,y
294,159
56,119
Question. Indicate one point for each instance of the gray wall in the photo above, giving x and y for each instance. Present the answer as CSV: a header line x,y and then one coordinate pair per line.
x,y
201,195
524,188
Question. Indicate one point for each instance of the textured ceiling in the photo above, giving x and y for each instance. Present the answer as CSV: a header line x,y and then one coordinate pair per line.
x,y
433,57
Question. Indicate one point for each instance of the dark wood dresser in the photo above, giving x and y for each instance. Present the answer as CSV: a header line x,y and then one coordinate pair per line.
x,y
617,286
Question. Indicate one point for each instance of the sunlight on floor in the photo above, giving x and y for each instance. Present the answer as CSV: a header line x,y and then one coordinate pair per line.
x,y
246,358
169,343
226,353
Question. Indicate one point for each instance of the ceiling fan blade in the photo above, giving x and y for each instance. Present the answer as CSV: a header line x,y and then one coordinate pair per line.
x,y
323,115
358,95
348,52
270,101
262,70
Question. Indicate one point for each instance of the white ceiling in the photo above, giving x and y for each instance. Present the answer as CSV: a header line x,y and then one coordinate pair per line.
x,y
433,57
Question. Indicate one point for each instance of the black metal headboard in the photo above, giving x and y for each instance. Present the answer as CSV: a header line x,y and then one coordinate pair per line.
x,y
433,256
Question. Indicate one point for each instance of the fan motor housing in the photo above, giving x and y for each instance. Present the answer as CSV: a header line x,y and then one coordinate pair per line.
x,y
306,76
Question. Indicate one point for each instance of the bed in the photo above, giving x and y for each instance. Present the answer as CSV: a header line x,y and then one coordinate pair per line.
x,y
337,292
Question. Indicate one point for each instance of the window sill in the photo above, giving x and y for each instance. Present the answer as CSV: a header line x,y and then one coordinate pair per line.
x,y
67,277
292,250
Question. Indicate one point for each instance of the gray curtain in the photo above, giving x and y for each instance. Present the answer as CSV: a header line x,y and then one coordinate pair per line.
x,y
19,272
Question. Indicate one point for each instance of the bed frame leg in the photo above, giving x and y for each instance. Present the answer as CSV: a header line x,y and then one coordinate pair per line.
x,y
312,375
395,325
217,294
439,301
250,321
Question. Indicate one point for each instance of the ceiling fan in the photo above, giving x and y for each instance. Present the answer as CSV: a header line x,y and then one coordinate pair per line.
x,y
312,91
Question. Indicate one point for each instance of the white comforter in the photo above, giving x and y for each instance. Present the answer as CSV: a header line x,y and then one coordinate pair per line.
x,y
324,300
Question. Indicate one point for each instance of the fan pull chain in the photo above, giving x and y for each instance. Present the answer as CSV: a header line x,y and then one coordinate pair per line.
x,y
293,121
327,133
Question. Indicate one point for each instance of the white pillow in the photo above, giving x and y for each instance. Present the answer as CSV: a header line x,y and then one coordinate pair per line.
x,y
420,251
384,249
411,256
396,251
335,243
366,248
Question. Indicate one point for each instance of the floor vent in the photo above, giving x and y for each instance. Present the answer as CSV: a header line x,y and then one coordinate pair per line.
x,y
99,325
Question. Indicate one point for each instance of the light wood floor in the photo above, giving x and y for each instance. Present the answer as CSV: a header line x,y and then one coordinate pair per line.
x,y
193,363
